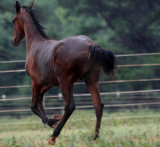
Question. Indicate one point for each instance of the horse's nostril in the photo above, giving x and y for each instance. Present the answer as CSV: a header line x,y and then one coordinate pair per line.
x,y
14,42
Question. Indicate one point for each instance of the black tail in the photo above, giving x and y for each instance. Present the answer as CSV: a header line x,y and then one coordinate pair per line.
x,y
104,58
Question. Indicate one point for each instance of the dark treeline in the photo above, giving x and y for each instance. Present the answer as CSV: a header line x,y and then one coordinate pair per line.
x,y
125,27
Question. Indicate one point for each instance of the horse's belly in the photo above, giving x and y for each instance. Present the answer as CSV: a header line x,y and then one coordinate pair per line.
x,y
51,79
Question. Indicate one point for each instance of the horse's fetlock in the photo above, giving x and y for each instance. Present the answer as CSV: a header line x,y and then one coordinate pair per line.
x,y
102,105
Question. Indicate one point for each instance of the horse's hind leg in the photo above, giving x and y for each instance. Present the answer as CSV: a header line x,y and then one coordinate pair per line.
x,y
92,85
66,89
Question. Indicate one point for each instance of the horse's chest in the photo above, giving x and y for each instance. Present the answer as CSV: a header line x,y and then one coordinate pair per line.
x,y
41,70
32,69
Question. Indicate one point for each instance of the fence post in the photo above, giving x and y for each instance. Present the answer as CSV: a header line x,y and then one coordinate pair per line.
x,y
44,105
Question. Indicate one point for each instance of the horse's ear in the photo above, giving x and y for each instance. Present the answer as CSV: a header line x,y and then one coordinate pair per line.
x,y
31,5
18,7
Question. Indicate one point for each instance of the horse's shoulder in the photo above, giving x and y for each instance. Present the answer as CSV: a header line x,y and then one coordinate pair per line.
x,y
29,64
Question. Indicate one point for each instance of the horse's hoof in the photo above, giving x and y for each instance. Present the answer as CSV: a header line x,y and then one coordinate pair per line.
x,y
57,117
51,140
54,125
96,136
54,121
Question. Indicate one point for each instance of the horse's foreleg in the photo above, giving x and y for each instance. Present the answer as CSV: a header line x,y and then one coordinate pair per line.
x,y
98,104
35,109
51,122
40,104
66,90
37,105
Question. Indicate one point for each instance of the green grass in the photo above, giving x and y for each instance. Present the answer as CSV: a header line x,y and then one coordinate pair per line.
x,y
79,131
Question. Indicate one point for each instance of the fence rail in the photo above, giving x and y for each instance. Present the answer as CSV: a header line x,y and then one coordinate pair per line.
x,y
80,83
87,104
87,94
93,119
84,107
124,55
119,66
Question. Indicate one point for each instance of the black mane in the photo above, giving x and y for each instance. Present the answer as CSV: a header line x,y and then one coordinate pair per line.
x,y
39,27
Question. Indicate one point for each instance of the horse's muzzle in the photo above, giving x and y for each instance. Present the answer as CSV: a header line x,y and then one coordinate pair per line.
x,y
15,42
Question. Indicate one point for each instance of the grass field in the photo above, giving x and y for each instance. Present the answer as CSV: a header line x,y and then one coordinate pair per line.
x,y
78,132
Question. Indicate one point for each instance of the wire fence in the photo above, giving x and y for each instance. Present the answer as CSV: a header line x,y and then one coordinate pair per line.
x,y
130,65
148,98
124,55
93,119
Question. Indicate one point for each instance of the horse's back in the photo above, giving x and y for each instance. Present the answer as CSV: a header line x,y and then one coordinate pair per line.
x,y
78,43
74,47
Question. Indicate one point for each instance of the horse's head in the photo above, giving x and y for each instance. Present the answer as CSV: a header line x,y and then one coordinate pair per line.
x,y
17,20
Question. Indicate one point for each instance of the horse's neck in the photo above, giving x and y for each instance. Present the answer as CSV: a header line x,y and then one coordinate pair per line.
x,y
32,35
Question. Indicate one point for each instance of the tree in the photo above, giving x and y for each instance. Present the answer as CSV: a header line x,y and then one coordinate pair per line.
x,y
134,23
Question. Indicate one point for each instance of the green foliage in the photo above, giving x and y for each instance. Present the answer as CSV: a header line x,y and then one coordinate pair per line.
x,y
121,26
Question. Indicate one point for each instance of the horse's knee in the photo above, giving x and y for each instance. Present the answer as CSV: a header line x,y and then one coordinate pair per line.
x,y
102,105
99,106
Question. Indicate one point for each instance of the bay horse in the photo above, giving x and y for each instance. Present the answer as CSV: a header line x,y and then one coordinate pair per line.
x,y
60,63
